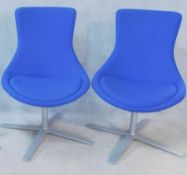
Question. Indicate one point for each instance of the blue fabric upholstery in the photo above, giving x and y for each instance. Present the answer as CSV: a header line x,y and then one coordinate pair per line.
x,y
141,74
45,71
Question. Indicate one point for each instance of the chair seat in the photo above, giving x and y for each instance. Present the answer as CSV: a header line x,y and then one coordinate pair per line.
x,y
45,89
136,94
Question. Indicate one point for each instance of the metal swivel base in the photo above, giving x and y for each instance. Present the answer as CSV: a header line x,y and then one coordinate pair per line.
x,y
127,137
41,132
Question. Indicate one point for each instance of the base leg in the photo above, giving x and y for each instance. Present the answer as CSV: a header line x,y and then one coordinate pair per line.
x,y
70,137
107,129
55,117
140,125
120,148
35,145
20,127
159,146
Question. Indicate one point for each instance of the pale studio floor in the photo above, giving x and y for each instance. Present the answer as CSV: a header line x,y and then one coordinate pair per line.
x,y
59,156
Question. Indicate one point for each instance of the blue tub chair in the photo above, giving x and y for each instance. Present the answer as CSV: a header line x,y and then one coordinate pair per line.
x,y
141,74
44,71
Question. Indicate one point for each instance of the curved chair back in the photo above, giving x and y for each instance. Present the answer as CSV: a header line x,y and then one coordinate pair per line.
x,y
44,42
144,49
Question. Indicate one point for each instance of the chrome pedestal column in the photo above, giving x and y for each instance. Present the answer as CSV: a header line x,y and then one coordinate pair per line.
x,y
41,132
127,137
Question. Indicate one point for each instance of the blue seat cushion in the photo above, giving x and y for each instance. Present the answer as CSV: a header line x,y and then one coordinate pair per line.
x,y
45,88
136,94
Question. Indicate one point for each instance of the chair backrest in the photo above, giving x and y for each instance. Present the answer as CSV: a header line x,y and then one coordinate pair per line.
x,y
45,37
144,47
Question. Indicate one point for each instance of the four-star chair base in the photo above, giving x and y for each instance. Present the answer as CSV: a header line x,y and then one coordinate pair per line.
x,y
41,132
128,136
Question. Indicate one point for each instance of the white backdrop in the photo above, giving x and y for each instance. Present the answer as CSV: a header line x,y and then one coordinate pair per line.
x,y
93,42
